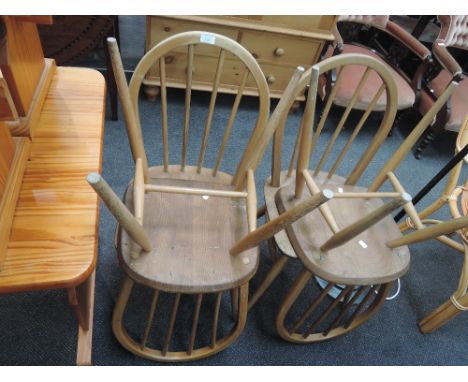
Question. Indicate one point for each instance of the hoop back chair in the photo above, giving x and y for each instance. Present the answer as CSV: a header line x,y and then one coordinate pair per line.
x,y
346,240
453,34
452,196
178,221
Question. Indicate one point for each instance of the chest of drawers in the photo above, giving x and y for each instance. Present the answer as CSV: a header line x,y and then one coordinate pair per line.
x,y
279,43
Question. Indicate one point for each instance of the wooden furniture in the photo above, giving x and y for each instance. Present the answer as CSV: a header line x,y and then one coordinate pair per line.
x,y
279,43
408,88
48,213
13,156
25,71
179,221
451,194
72,38
53,240
345,242
452,36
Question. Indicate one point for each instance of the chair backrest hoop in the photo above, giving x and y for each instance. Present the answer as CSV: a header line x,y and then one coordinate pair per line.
x,y
225,43
336,62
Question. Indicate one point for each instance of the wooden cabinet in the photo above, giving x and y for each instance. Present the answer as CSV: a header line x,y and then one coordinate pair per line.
x,y
279,43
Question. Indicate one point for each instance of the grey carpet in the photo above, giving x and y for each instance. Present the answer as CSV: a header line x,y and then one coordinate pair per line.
x,y
40,329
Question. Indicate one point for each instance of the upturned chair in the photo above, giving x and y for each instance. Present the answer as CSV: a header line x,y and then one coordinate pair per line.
x,y
178,222
348,241
450,196
453,35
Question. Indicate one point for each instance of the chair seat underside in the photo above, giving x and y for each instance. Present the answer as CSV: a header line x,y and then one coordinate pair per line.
x,y
363,260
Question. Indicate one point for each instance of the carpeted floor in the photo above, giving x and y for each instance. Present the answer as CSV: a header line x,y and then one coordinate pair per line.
x,y
40,329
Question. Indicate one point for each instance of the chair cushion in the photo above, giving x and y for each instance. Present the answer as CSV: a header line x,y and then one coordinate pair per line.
x,y
364,260
459,99
353,74
191,236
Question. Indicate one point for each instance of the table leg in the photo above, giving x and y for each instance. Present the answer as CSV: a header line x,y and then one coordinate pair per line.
x,y
81,299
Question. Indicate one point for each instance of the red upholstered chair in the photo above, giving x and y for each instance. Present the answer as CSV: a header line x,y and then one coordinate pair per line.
x,y
408,88
453,34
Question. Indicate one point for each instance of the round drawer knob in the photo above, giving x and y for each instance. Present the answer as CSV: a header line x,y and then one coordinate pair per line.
x,y
279,52
271,79
167,29
169,59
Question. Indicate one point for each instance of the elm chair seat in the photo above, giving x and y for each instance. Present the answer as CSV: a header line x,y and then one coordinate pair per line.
x,y
352,75
190,235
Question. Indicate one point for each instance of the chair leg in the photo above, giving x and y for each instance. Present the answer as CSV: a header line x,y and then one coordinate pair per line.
x,y
111,84
235,302
324,319
213,344
81,299
273,273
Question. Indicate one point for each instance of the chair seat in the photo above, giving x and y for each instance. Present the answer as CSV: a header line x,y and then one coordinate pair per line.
x,y
458,101
191,236
353,74
364,260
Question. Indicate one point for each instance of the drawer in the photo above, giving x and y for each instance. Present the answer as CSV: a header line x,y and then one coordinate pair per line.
x,y
277,76
204,69
161,28
281,49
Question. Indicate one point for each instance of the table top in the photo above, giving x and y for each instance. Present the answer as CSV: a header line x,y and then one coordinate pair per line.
x,y
54,237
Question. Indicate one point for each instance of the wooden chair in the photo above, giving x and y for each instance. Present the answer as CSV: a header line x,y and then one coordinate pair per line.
x,y
451,194
347,242
179,221
408,88
452,35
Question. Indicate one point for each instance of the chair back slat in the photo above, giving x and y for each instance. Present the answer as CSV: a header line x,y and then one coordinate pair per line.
x,y
325,112
312,128
232,118
209,119
188,96
356,130
162,76
343,120
231,60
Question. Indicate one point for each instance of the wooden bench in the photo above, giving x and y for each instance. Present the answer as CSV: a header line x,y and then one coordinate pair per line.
x,y
54,236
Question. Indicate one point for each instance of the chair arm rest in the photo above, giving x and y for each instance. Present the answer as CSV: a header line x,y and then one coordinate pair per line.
x,y
410,41
447,60
337,35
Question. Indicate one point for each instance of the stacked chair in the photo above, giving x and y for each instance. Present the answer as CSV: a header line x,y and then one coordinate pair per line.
x,y
188,232
346,243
